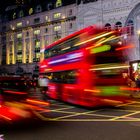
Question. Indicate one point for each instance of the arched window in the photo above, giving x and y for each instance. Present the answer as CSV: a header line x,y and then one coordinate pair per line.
x,y
58,3
21,13
130,27
107,27
30,11
118,25
38,9
49,6
14,15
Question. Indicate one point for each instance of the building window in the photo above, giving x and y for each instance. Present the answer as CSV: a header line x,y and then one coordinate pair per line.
x,y
46,42
70,25
27,22
37,43
46,30
19,46
130,27
36,32
58,3
70,12
37,55
56,37
38,9
118,26
46,18
21,14
108,27
36,20
57,28
14,15
30,11
19,58
19,35
27,33
49,6
19,24
57,15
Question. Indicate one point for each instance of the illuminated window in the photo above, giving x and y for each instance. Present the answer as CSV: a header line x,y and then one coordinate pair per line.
x,y
19,57
12,27
19,46
46,42
57,28
37,55
36,32
27,22
14,15
58,3
46,18
37,43
30,11
57,15
19,24
19,35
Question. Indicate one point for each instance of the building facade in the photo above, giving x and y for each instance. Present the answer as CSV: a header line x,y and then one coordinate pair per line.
x,y
28,31
113,15
23,37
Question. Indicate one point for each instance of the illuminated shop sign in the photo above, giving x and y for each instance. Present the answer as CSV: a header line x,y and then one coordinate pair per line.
x,y
65,59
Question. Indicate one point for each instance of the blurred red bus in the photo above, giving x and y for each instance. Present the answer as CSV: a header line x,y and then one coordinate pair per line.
x,y
86,67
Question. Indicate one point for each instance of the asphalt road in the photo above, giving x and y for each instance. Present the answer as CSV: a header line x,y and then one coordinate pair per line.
x,y
69,122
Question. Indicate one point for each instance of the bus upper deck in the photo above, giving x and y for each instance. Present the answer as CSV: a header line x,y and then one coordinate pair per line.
x,y
86,67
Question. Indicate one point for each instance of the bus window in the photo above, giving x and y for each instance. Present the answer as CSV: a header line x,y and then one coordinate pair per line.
x,y
62,48
67,77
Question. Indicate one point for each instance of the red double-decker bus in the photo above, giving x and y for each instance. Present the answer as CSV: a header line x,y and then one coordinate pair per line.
x,y
86,67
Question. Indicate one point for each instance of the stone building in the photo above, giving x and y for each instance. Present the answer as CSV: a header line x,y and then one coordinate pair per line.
x,y
26,30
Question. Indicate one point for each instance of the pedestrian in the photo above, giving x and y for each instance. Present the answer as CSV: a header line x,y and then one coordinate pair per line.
x,y
43,84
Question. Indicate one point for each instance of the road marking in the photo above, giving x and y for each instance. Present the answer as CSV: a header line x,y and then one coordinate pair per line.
x,y
100,115
133,106
62,108
97,120
76,114
124,116
125,104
